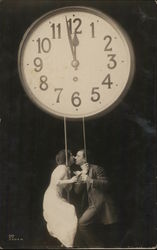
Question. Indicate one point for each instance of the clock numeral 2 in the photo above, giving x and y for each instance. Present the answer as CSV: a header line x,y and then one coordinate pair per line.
x,y
109,40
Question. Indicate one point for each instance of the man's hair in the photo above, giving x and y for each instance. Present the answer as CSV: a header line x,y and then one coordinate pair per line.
x,y
61,156
86,155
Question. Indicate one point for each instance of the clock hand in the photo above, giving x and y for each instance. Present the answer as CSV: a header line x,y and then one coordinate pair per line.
x,y
69,37
75,43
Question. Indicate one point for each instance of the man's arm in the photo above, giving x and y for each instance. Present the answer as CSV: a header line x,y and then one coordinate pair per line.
x,y
99,179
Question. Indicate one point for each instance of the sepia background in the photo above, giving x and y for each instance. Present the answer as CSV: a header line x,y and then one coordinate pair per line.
x,y
122,141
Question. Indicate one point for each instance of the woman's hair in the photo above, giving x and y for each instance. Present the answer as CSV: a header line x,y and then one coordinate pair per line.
x,y
61,157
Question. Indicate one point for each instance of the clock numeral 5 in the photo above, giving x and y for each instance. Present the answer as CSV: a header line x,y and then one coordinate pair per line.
x,y
95,94
44,45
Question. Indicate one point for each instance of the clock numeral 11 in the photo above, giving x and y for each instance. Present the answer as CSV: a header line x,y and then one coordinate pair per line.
x,y
56,31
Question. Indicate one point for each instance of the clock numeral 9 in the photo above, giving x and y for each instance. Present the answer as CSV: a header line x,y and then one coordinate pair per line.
x,y
44,45
38,64
43,83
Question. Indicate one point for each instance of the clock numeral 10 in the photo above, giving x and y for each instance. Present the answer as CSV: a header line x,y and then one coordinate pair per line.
x,y
44,45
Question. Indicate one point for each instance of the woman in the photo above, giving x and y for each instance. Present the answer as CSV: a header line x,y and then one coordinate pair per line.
x,y
59,214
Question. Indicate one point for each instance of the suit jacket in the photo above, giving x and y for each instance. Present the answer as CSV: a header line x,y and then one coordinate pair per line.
x,y
98,194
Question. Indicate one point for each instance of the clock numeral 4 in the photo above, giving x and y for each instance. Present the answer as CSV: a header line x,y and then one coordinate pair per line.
x,y
107,81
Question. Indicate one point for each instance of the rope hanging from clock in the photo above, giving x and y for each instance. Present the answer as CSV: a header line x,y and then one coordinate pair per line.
x,y
66,143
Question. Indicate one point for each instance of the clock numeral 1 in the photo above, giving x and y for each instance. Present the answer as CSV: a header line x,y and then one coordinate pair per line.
x,y
43,83
107,81
38,64
95,94
109,40
44,45
92,29
56,31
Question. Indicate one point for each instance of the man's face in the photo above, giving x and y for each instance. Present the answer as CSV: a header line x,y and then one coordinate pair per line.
x,y
79,158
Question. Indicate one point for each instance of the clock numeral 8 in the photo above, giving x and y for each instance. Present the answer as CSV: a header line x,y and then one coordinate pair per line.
x,y
43,84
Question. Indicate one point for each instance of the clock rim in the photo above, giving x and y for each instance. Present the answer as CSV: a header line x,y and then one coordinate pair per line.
x,y
107,18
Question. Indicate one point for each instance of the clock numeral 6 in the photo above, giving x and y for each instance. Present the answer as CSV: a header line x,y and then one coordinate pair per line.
x,y
75,99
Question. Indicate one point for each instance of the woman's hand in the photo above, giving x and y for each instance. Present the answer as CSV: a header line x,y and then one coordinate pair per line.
x,y
73,179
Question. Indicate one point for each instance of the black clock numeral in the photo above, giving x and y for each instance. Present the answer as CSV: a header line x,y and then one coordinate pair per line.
x,y
95,94
44,45
112,60
92,30
107,81
43,83
109,40
56,31
38,63
75,99
74,25
59,93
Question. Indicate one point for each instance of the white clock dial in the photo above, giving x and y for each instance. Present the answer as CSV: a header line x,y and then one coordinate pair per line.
x,y
76,62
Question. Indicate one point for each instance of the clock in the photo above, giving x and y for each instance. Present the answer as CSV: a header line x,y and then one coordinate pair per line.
x,y
76,62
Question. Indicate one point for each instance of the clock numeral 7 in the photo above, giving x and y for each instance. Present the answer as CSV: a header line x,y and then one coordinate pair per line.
x,y
59,93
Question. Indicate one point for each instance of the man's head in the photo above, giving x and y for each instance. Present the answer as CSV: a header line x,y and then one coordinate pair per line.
x,y
80,158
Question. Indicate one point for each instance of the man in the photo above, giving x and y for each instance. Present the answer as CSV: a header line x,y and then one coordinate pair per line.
x,y
100,209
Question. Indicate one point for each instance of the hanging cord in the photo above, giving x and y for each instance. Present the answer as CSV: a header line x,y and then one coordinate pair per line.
x,y
84,138
66,154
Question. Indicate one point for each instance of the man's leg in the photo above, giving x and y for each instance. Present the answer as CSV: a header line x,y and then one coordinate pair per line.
x,y
87,223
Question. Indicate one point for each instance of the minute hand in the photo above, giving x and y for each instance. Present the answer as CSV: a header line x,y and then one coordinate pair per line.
x,y
69,37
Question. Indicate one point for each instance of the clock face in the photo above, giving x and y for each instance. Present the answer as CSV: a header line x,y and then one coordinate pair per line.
x,y
75,62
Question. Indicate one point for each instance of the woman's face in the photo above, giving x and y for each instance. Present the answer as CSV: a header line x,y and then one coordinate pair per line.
x,y
71,159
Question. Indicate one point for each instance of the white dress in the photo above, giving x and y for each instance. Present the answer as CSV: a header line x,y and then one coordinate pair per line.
x,y
58,213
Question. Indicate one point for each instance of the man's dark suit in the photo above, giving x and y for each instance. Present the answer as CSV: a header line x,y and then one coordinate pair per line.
x,y
100,205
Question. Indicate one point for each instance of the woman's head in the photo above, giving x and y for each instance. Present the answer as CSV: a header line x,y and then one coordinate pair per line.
x,y
61,157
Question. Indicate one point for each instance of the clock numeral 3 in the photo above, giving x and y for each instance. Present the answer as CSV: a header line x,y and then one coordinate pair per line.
x,y
112,60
